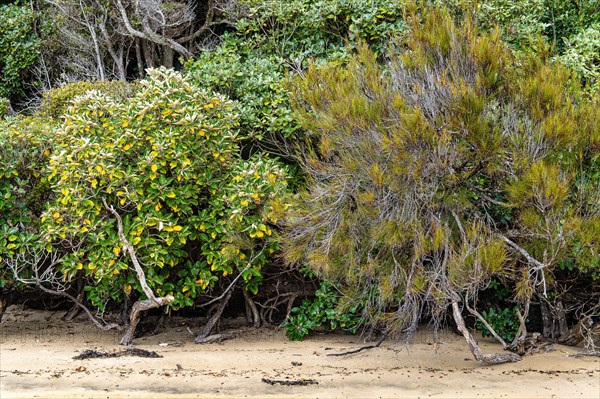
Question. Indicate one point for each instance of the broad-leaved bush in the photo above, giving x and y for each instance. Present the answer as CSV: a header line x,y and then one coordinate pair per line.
x,y
167,159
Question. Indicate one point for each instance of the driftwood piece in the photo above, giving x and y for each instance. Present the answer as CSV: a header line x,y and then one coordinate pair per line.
x,y
495,358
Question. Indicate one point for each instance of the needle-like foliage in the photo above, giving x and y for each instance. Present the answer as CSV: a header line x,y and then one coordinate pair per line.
x,y
451,162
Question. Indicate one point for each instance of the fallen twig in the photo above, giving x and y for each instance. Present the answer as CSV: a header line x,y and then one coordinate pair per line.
x,y
364,348
584,354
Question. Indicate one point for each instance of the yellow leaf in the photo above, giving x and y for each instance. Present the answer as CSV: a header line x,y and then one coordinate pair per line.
x,y
202,228
116,251
260,234
178,228
136,241
127,146
213,235
79,266
94,183
170,194
125,124
154,168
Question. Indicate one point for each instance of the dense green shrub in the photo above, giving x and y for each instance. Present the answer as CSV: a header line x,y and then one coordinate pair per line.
x,y
275,38
582,54
505,322
168,161
324,311
321,29
25,147
19,47
256,80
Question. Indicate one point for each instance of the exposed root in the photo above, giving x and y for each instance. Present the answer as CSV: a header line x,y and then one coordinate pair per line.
x,y
252,306
213,319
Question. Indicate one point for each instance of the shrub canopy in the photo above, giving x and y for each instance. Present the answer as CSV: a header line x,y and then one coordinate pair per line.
x,y
453,162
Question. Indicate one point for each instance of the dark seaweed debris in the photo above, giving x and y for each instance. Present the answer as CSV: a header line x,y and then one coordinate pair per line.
x,y
93,354
290,382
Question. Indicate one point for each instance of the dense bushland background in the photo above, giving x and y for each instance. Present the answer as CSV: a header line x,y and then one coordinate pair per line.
x,y
328,164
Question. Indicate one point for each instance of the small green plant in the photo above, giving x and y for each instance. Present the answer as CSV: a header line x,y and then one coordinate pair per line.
x,y
505,322
324,311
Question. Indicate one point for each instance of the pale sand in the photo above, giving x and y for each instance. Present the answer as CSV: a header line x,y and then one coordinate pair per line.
x,y
36,351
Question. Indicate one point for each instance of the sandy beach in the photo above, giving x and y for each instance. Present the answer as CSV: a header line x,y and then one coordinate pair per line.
x,y
37,350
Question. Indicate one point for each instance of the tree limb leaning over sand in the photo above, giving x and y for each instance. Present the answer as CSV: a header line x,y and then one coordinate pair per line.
x,y
152,301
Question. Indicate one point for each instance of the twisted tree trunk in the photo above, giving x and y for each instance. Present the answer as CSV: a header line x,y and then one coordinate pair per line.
x,y
152,301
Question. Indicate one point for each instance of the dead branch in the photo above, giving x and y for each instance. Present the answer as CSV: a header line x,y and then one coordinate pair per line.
x,y
584,354
42,266
139,306
475,313
495,358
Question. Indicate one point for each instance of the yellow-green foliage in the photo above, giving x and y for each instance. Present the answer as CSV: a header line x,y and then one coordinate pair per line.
x,y
168,160
25,145
423,170
56,101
